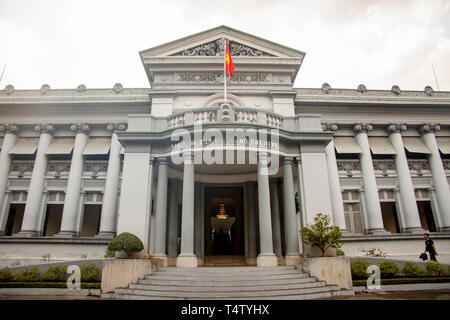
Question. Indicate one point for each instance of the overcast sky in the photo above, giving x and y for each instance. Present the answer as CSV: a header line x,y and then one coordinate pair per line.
x,y
378,43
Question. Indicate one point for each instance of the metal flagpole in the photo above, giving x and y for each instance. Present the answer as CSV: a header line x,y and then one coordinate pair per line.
x,y
1,76
224,70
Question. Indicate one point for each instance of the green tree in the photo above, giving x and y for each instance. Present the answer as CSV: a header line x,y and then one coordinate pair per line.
x,y
124,242
322,234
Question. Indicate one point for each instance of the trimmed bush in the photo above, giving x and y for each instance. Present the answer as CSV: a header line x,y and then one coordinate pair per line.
x,y
435,268
359,269
413,269
388,268
27,274
62,285
56,273
322,234
340,252
5,275
124,242
89,272
357,283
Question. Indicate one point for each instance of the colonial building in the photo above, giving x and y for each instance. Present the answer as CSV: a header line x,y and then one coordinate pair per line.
x,y
195,175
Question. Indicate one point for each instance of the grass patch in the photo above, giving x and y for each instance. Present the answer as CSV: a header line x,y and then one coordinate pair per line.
x,y
358,283
85,285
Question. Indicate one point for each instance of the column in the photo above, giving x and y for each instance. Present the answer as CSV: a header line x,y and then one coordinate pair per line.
x,y
72,201
173,222
276,225
266,256
410,214
33,206
290,216
9,140
187,258
438,174
335,186
372,202
301,191
108,215
161,213
251,258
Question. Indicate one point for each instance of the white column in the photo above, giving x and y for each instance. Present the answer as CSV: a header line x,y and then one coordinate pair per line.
x,y
438,174
72,200
108,215
251,219
335,186
290,216
187,258
173,220
372,201
266,256
409,212
161,213
9,140
276,225
301,192
30,223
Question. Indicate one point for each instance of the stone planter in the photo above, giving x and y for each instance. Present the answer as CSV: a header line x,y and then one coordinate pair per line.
x,y
332,270
119,273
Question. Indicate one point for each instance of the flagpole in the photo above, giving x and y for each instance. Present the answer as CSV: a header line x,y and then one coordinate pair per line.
x,y
224,70
3,71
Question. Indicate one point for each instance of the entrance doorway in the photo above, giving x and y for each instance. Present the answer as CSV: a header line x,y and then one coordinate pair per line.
x,y
224,221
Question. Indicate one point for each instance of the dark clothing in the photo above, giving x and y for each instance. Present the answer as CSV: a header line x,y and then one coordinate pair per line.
x,y
429,247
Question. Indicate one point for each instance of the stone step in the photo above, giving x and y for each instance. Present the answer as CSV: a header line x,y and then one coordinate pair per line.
x,y
226,269
226,273
226,295
214,289
153,281
217,278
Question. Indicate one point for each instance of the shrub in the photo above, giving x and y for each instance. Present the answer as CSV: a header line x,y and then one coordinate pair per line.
x,y
124,242
322,234
359,269
89,272
435,268
27,274
413,269
388,268
5,275
340,252
56,273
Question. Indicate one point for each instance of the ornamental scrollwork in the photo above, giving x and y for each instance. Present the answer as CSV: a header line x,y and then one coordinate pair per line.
x,y
384,166
348,166
94,167
21,167
57,167
419,166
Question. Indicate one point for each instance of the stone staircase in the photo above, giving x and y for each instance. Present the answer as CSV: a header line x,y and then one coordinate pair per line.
x,y
227,283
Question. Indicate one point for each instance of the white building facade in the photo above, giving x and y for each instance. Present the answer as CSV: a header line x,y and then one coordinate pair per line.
x,y
80,166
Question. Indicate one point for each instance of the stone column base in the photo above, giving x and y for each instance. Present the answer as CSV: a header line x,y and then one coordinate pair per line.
x,y
267,261
27,234
67,234
105,235
187,262
160,261
444,229
172,262
414,230
378,232
292,259
250,261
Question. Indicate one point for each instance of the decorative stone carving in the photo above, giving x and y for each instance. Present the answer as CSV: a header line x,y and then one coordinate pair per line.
x,y
428,90
217,77
384,166
116,127
429,128
215,48
81,88
21,167
118,88
329,127
45,88
80,127
396,128
349,166
326,88
362,127
418,166
225,111
446,164
94,167
44,128
9,89
362,88
57,167
396,89
9,128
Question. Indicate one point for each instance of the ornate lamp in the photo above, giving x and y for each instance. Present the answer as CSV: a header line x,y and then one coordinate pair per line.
x,y
221,214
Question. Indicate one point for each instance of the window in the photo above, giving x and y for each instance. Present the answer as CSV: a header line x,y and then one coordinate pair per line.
x,y
352,211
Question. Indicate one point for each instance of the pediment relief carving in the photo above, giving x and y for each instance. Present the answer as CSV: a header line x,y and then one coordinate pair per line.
x,y
215,48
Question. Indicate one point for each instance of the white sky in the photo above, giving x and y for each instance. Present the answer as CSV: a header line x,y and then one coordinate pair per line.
x,y
378,43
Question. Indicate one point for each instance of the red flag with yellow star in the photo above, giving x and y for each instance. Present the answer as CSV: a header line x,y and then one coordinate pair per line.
x,y
229,65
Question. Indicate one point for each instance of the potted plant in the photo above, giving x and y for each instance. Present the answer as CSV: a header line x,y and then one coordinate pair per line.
x,y
322,234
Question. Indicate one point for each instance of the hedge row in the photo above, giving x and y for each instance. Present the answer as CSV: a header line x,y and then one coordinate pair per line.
x,y
84,285
363,283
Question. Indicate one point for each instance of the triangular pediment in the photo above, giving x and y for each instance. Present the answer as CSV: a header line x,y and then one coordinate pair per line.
x,y
210,43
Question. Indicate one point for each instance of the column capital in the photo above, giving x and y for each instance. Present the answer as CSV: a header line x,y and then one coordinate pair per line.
x,y
162,160
288,159
80,127
113,127
44,128
396,128
152,160
9,128
327,126
362,127
188,156
429,128
263,156
298,160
